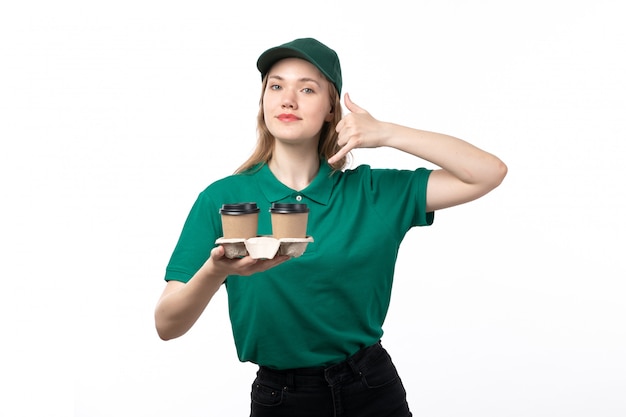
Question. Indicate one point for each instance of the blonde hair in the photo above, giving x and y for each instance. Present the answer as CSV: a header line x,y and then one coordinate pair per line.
x,y
327,145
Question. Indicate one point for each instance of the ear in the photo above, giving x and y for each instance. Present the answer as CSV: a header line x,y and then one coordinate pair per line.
x,y
330,115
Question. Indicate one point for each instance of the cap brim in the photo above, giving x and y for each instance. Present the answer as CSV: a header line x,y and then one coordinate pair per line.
x,y
273,55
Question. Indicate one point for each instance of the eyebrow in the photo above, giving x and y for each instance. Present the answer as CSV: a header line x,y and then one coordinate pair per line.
x,y
304,79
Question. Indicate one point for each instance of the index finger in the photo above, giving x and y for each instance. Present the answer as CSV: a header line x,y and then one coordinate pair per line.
x,y
340,154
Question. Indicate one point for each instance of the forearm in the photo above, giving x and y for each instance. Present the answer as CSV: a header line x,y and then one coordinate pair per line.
x,y
181,305
461,159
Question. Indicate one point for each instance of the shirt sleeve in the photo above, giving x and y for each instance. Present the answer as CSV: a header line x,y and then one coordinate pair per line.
x,y
401,195
200,231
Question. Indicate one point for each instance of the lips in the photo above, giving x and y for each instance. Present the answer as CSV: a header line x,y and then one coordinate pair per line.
x,y
287,117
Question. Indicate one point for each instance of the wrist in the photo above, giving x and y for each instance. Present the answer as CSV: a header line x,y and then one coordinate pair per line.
x,y
212,272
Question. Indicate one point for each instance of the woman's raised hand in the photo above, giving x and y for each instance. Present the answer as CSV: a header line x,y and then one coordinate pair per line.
x,y
358,129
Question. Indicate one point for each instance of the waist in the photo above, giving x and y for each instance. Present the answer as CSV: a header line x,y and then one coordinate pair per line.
x,y
323,375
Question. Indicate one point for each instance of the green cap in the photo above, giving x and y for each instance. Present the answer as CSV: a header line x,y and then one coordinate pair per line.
x,y
309,49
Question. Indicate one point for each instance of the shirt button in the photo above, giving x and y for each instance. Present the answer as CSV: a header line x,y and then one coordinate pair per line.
x,y
299,198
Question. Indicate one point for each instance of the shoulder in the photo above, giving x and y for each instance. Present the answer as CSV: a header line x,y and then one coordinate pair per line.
x,y
366,171
223,189
356,172
226,183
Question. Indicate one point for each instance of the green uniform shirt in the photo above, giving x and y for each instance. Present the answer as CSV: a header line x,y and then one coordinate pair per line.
x,y
325,305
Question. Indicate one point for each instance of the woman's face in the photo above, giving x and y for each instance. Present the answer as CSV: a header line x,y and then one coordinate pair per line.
x,y
296,102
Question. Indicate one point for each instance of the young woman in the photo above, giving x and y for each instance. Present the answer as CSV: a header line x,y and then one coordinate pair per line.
x,y
313,324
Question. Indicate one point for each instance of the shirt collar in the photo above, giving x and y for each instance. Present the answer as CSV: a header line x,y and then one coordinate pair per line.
x,y
319,190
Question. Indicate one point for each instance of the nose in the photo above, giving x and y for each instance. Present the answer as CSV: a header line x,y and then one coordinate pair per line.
x,y
288,99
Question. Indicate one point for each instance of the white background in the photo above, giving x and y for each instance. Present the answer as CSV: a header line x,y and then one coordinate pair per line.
x,y
114,115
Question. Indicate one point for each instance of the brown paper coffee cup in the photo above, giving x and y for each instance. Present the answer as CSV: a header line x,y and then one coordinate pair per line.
x,y
240,220
289,220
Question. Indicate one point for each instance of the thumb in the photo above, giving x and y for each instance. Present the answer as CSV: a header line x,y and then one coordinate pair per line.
x,y
351,106
218,252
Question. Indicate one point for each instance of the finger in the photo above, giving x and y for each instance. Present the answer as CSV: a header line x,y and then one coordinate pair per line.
x,y
279,259
350,105
247,261
339,126
261,265
340,154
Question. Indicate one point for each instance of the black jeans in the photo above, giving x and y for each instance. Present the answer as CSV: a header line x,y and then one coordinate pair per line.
x,y
365,385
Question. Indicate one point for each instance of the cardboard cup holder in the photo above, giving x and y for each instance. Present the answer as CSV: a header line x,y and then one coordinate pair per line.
x,y
264,247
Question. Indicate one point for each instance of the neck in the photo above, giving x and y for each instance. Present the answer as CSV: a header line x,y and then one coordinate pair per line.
x,y
295,169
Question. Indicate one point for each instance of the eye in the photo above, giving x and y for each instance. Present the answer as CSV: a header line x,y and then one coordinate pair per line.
x,y
307,90
274,87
